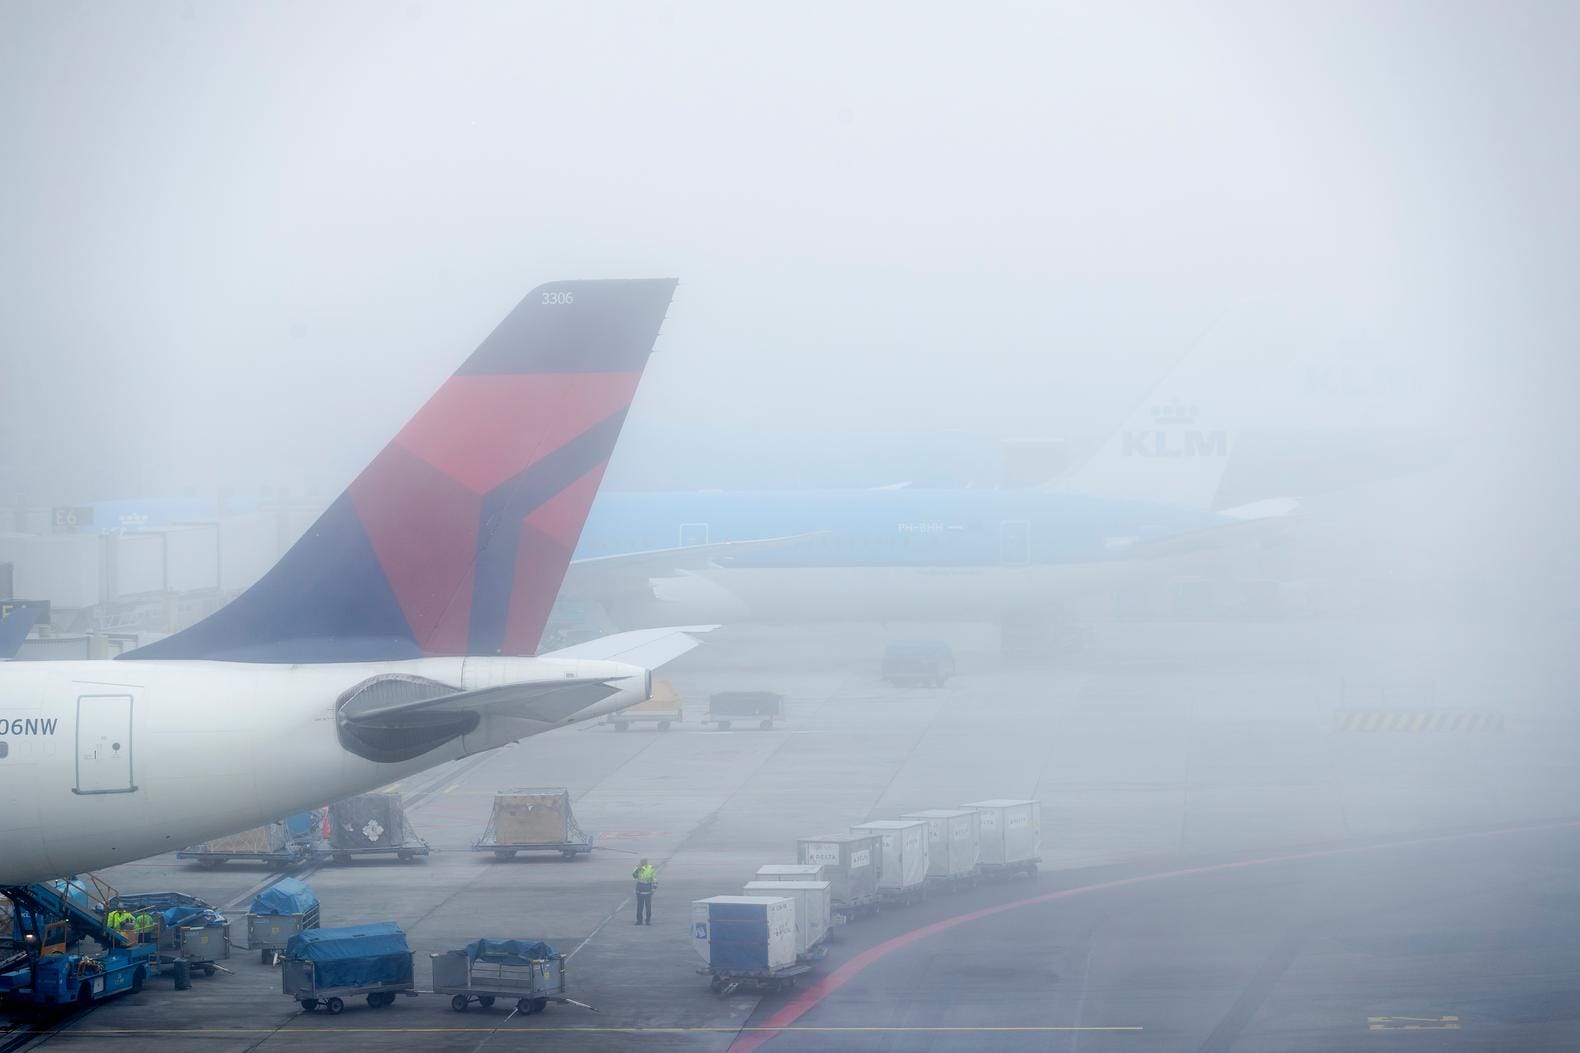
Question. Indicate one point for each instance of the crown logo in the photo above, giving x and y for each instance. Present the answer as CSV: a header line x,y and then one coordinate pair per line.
x,y
1174,414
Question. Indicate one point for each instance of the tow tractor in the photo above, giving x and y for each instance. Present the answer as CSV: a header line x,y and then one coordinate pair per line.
x,y
39,968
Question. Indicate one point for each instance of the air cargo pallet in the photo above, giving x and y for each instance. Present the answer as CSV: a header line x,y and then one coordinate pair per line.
x,y
567,849
278,860
725,982
405,853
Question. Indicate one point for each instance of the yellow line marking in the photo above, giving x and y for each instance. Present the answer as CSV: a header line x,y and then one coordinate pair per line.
x,y
451,788
121,1032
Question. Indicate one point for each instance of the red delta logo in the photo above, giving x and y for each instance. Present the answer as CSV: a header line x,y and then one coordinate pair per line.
x,y
1175,434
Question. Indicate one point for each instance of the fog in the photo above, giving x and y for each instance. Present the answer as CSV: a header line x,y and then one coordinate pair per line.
x,y
233,231
240,244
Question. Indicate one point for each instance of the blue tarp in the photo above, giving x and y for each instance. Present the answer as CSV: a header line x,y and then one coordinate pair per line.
x,y
188,914
301,826
286,896
509,952
355,956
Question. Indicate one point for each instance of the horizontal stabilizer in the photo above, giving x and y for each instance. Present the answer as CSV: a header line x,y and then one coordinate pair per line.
x,y
397,717
648,648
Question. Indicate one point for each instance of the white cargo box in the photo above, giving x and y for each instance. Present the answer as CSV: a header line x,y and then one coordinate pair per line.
x,y
744,935
814,907
1011,831
854,863
792,872
953,840
904,851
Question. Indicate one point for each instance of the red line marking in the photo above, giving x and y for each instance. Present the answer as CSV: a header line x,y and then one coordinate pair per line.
x,y
809,998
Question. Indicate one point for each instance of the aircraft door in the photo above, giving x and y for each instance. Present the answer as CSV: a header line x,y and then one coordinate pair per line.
x,y
104,744
693,534
1014,542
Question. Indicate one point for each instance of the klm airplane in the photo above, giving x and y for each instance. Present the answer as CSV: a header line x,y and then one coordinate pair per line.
x,y
1143,502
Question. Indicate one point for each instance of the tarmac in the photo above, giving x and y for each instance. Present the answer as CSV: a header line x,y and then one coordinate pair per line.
x,y
1256,836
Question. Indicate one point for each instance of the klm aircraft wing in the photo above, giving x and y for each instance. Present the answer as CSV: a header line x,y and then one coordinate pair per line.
x,y
1259,523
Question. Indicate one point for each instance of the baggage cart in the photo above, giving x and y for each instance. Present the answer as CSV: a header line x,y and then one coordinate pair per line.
x,y
325,967
371,824
762,708
853,864
534,820
528,973
1011,837
662,709
279,912
185,928
746,941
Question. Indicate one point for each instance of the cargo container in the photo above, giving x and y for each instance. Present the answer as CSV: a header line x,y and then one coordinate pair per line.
x,y
185,928
662,709
534,820
814,909
1011,835
854,864
746,939
903,873
279,912
919,663
953,842
324,967
526,973
748,707
792,872
280,843
372,824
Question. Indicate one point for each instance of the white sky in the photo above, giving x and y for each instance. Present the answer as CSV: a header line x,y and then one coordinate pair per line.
x,y
242,242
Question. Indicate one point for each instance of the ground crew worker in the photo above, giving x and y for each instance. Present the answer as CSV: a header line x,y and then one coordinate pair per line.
x,y
118,918
143,924
646,880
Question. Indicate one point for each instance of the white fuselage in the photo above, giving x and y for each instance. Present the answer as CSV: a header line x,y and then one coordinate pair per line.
x,y
106,762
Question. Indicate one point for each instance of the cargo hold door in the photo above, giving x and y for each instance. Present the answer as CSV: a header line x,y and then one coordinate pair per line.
x,y
104,744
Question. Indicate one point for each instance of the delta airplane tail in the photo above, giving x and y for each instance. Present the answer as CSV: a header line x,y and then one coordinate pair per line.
x,y
455,539
396,635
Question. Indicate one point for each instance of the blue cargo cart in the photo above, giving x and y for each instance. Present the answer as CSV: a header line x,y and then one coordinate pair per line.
x,y
324,967
279,912
528,972
185,929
